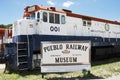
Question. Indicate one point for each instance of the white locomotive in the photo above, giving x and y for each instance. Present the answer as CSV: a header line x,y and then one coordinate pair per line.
x,y
41,23
55,24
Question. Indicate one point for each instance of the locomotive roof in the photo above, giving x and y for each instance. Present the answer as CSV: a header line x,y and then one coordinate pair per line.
x,y
67,12
92,18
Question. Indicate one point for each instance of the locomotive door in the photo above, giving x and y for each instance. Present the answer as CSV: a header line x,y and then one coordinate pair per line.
x,y
86,31
75,29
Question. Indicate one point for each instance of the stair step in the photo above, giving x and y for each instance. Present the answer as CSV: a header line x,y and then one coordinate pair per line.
x,y
22,59
23,69
21,49
21,42
23,56
23,65
25,62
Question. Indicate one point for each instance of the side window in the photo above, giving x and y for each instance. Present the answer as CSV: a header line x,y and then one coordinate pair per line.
x,y
87,22
84,23
62,19
57,19
45,16
51,17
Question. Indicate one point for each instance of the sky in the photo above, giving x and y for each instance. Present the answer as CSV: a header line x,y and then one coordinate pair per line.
x,y
12,10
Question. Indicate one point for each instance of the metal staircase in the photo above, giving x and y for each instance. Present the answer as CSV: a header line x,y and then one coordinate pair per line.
x,y
23,55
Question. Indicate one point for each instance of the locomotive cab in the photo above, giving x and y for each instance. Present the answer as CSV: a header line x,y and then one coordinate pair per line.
x,y
42,21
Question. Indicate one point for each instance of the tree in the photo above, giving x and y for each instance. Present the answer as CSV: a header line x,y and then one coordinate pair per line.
x,y
8,25
2,26
5,26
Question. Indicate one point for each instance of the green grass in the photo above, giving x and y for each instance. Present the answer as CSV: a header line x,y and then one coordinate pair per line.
x,y
99,70
106,68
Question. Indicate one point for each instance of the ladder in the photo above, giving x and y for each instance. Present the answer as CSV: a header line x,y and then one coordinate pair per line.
x,y
23,54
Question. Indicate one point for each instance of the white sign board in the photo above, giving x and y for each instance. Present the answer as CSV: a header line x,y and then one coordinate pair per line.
x,y
32,8
64,54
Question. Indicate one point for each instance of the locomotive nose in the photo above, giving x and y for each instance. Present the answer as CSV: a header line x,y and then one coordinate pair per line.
x,y
30,26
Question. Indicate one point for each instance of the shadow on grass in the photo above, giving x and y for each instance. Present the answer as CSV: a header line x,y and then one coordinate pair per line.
x,y
105,61
37,72
25,72
30,72
88,76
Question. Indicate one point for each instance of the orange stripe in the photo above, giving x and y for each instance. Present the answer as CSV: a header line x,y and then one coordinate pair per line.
x,y
69,13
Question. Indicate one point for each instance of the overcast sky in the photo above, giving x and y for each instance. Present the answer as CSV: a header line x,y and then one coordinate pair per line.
x,y
12,10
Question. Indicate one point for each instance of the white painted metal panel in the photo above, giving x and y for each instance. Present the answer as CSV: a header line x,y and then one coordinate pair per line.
x,y
65,68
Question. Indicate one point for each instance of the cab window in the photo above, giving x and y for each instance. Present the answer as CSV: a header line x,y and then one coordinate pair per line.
x,y
28,17
57,19
33,16
62,19
51,17
54,18
38,15
45,16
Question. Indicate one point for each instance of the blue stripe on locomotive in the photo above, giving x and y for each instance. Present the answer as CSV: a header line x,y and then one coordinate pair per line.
x,y
36,39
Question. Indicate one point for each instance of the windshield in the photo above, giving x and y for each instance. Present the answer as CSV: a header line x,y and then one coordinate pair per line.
x,y
32,16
